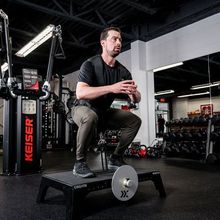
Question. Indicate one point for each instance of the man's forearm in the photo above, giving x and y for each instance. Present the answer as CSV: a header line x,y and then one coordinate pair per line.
x,y
135,97
89,92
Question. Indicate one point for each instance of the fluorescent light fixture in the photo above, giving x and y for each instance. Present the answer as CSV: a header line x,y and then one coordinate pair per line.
x,y
207,85
164,92
4,67
195,94
36,42
167,67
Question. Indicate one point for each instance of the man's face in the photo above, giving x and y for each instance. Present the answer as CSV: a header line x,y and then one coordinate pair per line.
x,y
112,44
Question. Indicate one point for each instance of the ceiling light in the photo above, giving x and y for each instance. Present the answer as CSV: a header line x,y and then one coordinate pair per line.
x,y
36,42
164,92
167,67
4,67
207,85
195,94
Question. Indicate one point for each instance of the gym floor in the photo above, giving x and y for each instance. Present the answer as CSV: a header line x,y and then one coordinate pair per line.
x,y
192,187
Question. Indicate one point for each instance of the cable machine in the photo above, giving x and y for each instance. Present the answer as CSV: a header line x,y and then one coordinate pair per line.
x,y
22,110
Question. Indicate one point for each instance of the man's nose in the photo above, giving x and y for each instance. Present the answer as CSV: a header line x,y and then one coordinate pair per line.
x,y
118,42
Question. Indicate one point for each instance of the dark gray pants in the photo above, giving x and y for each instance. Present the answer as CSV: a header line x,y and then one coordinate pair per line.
x,y
87,122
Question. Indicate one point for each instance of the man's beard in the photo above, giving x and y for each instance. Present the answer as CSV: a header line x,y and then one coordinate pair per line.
x,y
114,53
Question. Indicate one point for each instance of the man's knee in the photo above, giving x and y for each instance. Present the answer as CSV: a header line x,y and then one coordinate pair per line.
x,y
138,121
84,115
134,120
90,118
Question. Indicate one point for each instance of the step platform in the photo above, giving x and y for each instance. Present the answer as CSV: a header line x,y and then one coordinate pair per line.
x,y
76,188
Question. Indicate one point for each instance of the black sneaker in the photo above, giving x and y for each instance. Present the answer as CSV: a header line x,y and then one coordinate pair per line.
x,y
82,169
115,162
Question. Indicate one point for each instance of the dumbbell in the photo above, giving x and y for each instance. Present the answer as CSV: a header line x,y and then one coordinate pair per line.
x,y
186,121
167,149
179,136
172,136
196,136
194,149
185,148
215,136
216,119
195,120
203,120
190,121
177,148
176,122
187,136
166,136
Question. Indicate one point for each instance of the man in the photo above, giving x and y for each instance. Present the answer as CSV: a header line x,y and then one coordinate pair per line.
x,y
101,80
161,123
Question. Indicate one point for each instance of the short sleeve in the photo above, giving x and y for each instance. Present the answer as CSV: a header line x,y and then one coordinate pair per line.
x,y
86,73
125,74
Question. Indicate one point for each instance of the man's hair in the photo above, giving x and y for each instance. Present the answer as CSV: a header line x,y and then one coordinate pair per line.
x,y
104,33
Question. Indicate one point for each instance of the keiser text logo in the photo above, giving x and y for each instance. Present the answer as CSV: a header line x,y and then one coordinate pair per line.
x,y
28,139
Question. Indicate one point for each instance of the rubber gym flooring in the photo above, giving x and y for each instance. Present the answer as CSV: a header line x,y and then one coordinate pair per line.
x,y
192,187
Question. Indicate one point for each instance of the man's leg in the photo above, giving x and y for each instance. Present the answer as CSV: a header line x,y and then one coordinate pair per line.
x,y
86,120
129,125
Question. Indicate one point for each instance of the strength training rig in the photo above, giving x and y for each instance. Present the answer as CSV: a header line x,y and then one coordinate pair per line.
x,y
22,108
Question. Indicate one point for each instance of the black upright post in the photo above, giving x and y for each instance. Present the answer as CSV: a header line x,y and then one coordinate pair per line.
x,y
9,151
39,134
61,120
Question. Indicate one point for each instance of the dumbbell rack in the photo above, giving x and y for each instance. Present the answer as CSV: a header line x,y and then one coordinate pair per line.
x,y
76,188
213,151
187,137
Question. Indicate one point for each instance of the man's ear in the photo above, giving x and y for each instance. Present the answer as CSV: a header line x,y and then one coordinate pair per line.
x,y
102,43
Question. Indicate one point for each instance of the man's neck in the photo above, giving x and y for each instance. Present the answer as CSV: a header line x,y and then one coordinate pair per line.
x,y
110,61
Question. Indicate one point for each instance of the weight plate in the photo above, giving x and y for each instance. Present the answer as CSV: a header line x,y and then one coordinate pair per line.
x,y
124,183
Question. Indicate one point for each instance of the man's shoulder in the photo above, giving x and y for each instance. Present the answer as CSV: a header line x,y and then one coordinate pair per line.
x,y
92,60
123,70
121,66
96,58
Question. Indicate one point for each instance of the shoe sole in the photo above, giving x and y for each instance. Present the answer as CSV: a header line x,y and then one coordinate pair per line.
x,y
88,175
113,167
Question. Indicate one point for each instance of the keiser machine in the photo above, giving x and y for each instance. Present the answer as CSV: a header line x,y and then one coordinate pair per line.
x,y
22,110
29,109
28,126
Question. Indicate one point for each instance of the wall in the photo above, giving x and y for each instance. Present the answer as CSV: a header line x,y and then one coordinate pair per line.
x,y
198,39
125,59
182,106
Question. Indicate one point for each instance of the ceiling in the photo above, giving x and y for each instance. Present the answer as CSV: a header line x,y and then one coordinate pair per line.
x,y
83,20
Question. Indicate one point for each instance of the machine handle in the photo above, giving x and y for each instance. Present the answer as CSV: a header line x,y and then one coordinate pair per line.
x,y
11,84
46,88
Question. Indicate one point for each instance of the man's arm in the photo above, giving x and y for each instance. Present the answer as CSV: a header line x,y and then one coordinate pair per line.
x,y
136,97
133,93
85,91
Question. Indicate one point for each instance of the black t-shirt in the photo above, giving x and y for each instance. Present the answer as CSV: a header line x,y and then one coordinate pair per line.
x,y
107,76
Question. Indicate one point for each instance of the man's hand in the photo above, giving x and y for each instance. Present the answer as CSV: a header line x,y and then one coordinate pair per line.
x,y
126,87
